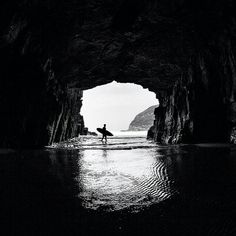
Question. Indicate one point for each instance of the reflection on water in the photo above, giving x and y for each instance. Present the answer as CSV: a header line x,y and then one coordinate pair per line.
x,y
121,174
119,179
187,190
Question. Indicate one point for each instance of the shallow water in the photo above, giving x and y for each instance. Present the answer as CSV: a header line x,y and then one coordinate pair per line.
x,y
125,172
127,185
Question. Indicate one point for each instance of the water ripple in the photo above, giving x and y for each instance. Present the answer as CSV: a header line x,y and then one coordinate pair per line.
x,y
126,172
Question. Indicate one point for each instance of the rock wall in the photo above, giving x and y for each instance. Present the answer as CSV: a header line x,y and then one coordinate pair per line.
x,y
201,105
67,122
37,105
35,110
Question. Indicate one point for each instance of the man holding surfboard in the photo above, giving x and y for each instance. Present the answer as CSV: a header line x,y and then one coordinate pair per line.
x,y
104,132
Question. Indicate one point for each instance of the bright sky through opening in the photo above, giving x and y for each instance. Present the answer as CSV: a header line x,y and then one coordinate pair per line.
x,y
115,104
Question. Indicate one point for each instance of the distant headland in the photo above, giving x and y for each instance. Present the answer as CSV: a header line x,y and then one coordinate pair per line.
x,y
142,121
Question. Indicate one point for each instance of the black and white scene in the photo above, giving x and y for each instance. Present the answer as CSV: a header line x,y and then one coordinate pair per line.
x,y
118,117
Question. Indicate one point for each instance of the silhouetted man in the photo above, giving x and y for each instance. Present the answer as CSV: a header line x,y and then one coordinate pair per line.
x,y
104,135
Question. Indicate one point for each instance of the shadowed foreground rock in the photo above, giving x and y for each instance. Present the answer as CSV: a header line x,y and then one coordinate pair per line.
x,y
52,50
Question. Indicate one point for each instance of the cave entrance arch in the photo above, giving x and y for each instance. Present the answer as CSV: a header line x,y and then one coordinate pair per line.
x,y
117,104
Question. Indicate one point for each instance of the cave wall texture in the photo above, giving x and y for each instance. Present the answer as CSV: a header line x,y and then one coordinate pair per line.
x,y
52,50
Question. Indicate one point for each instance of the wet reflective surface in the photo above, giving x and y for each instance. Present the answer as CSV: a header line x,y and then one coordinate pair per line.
x,y
118,179
86,187
124,173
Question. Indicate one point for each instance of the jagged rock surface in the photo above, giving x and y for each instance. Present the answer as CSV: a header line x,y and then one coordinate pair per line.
x,y
67,122
184,52
143,121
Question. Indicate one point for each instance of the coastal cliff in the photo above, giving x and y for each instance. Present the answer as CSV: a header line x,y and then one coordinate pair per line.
x,y
143,121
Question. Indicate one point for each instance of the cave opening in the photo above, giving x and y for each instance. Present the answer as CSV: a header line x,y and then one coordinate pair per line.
x,y
117,105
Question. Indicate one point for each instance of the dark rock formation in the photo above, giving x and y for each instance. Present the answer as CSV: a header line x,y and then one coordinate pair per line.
x,y
38,107
151,132
183,51
67,121
143,121
92,133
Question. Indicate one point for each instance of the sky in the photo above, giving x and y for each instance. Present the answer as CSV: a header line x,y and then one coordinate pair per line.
x,y
115,104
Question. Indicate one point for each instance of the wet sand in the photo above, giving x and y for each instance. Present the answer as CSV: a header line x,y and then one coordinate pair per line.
x,y
89,188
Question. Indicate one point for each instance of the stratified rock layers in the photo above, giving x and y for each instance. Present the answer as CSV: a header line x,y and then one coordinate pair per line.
x,y
67,122
51,51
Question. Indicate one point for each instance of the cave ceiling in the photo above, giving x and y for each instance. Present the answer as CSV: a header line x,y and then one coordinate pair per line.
x,y
93,42
126,46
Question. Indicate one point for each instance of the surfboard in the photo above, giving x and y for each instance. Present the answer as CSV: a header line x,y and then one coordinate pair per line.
x,y
100,130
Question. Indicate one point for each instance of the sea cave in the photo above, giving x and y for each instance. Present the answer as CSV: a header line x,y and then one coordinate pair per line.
x,y
52,51
180,181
